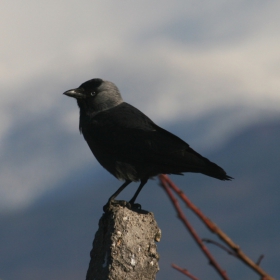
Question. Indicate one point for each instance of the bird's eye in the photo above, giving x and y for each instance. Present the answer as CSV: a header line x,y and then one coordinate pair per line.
x,y
93,93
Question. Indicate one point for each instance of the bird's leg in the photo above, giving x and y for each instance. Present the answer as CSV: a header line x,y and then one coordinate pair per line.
x,y
142,184
115,194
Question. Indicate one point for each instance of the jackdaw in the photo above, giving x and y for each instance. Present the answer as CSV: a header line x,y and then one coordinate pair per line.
x,y
129,144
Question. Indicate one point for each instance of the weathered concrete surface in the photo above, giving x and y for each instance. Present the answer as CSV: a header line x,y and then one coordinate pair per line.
x,y
124,246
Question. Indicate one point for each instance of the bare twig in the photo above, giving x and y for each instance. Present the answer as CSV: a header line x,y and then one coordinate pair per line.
x,y
259,259
215,229
229,251
193,233
185,272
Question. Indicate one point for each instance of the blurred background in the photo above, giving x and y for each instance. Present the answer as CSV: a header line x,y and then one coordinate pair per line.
x,y
208,71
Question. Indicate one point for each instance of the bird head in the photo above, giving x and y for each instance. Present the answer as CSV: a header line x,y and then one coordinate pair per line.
x,y
96,95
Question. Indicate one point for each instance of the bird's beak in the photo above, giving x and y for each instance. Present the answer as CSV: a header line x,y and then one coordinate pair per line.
x,y
77,93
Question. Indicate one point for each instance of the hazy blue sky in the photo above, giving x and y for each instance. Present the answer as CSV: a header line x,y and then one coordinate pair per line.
x,y
171,59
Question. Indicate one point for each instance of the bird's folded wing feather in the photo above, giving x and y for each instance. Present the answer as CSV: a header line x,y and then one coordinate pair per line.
x,y
128,134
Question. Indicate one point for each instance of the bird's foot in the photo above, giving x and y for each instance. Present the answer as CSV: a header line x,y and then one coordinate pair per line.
x,y
130,205
135,206
111,203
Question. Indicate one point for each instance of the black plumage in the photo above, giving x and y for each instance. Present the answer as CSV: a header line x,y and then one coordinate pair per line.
x,y
130,145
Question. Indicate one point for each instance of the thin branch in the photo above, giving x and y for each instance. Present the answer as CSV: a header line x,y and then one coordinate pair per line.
x,y
193,233
215,229
185,272
229,251
259,259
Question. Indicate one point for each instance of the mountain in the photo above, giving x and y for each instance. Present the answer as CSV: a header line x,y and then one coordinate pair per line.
x,y
51,239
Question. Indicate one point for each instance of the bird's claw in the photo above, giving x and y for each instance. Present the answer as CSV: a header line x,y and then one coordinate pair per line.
x,y
136,206
108,206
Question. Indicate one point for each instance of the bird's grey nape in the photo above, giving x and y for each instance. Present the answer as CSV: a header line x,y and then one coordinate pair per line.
x,y
109,95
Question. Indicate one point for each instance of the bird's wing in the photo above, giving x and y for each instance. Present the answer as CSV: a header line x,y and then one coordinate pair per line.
x,y
130,135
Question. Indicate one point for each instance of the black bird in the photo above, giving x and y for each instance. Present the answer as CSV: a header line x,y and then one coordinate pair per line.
x,y
130,145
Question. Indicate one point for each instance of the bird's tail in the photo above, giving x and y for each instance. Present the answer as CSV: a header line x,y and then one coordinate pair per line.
x,y
213,170
205,166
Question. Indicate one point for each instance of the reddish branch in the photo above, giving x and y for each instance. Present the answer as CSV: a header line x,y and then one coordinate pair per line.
x,y
185,272
229,250
193,233
167,183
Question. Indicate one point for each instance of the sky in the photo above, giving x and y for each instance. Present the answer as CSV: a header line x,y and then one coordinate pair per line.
x,y
171,59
